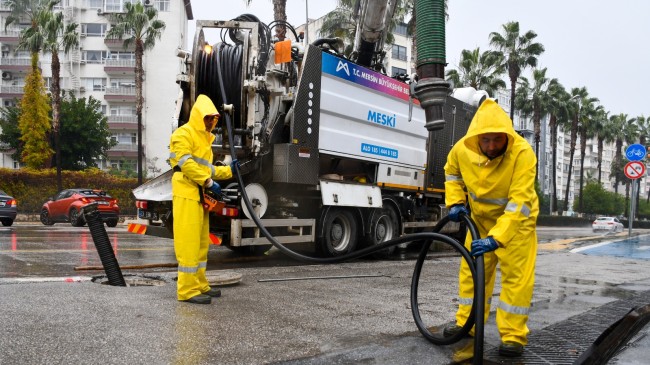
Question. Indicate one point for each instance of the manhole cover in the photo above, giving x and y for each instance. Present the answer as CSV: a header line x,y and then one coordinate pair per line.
x,y
134,280
223,278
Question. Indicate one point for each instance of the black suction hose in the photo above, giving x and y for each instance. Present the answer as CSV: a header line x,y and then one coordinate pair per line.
x,y
103,245
476,266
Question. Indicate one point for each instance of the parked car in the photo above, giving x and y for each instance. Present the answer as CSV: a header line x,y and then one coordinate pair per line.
x,y
66,206
8,209
610,224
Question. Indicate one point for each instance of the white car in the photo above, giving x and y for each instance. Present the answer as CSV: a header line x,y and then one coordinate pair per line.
x,y
610,224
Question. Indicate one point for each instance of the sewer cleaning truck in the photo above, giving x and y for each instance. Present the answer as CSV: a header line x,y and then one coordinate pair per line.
x,y
332,150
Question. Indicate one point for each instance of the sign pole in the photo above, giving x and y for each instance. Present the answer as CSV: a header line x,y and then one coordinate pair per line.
x,y
632,206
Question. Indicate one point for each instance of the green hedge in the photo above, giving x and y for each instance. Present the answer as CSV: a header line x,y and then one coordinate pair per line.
x,y
31,188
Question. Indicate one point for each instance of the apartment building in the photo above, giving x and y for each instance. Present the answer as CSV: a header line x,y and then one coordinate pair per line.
x,y
103,69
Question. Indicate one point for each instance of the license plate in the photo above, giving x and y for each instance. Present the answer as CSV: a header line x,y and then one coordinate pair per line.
x,y
102,202
2,204
144,214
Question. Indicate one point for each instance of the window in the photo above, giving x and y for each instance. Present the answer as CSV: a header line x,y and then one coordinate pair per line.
x,y
122,110
161,5
114,6
93,29
130,83
121,55
94,83
95,4
401,29
397,71
125,138
399,52
93,56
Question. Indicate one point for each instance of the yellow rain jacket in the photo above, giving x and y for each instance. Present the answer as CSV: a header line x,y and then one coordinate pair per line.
x,y
503,203
191,157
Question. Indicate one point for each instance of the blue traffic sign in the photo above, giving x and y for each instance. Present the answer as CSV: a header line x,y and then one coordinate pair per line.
x,y
635,152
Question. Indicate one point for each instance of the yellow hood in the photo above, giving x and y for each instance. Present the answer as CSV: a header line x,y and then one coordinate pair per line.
x,y
202,107
489,118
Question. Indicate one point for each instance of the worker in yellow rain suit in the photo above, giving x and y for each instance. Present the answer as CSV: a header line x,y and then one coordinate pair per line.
x,y
494,168
191,158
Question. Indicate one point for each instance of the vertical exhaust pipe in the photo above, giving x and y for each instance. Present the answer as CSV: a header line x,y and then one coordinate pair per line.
x,y
103,245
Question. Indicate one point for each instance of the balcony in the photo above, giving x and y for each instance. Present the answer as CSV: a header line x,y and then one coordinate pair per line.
x,y
119,67
118,44
123,94
123,150
11,92
129,122
22,65
10,36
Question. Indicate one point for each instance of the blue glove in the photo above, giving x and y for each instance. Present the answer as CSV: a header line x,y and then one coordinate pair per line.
x,y
483,245
215,188
234,163
456,210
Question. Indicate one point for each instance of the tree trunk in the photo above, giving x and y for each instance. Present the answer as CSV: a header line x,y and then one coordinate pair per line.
x,y
280,13
600,158
574,137
583,149
553,128
56,114
139,51
513,84
537,125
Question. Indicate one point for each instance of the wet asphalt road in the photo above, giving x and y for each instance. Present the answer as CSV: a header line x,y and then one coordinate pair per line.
x,y
34,250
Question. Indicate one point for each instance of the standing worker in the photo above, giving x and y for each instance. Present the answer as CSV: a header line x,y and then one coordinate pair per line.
x,y
497,168
191,158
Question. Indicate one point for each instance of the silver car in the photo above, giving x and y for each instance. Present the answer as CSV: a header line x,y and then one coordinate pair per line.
x,y
610,224
7,209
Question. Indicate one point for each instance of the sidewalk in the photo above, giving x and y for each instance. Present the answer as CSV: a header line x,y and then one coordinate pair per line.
x,y
364,318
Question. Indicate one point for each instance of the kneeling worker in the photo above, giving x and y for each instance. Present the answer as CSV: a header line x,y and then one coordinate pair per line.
x,y
191,158
497,168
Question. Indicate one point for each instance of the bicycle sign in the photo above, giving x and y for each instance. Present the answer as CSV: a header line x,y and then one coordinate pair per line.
x,y
635,152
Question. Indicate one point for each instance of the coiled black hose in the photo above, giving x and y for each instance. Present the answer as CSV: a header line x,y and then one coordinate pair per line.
x,y
476,266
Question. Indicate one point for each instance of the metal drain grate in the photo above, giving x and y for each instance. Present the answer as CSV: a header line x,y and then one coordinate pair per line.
x,y
564,342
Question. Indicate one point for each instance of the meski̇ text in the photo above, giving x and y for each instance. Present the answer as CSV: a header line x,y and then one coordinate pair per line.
x,y
383,119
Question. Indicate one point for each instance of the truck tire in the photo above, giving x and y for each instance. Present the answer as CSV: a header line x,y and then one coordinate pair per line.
x,y
384,226
339,233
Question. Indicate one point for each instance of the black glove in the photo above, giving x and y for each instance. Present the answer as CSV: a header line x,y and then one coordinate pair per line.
x,y
455,212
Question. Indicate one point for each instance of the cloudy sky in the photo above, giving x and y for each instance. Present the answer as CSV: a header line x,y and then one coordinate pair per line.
x,y
602,45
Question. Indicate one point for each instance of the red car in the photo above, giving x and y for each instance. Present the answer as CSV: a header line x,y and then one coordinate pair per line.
x,y
66,207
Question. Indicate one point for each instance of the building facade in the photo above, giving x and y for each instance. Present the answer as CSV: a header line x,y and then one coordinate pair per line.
x,y
103,69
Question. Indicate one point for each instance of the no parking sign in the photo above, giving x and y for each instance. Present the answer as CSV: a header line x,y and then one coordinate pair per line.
x,y
634,170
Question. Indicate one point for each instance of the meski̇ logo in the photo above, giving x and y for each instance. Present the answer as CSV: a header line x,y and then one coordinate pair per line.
x,y
380,118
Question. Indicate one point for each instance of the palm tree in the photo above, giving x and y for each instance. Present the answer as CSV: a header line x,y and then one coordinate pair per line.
x,y
142,28
339,23
534,100
557,108
57,36
624,131
604,134
279,15
586,130
577,94
482,71
520,51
